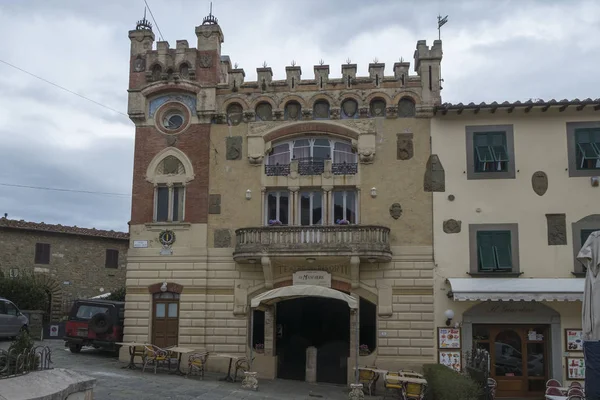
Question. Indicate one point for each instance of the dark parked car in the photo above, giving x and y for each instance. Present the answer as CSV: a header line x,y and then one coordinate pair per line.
x,y
97,323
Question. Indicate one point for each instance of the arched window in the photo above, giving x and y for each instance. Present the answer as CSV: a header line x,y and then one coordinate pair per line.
x,y
170,171
184,71
377,107
316,149
406,108
292,111
234,113
264,112
321,109
349,109
156,71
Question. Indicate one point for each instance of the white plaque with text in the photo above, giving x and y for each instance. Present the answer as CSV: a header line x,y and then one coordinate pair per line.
x,y
317,278
140,244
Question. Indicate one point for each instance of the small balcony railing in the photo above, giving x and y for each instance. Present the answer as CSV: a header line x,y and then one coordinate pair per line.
x,y
370,242
311,166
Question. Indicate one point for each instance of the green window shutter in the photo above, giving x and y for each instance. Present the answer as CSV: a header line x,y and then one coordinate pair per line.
x,y
485,252
502,250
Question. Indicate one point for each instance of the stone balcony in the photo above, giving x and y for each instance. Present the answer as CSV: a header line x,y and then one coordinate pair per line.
x,y
369,242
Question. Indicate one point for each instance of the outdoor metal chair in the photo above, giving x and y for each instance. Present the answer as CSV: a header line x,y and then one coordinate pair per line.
x,y
553,383
575,392
575,397
197,363
414,391
393,385
554,391
155,355
241,364
575,384
368,379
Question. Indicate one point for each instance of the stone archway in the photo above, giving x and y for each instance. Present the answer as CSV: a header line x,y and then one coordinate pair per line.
x,y
54,290
513,312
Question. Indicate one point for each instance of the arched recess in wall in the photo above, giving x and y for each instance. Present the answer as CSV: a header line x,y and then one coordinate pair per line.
x,y
56,307
164,169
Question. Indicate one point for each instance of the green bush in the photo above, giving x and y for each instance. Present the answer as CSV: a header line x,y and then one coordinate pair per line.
x,y
25,291
444,383
117,295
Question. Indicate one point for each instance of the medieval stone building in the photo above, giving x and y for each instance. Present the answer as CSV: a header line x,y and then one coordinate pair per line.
x,y
279,214
71,262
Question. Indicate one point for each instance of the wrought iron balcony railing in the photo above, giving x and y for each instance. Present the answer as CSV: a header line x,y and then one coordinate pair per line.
x,y
311,166
370,242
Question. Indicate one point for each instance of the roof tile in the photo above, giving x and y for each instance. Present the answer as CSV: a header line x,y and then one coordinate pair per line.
x,y
58,228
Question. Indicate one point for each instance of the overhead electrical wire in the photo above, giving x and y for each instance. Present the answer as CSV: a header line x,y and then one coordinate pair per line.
x,y
66,190
153,19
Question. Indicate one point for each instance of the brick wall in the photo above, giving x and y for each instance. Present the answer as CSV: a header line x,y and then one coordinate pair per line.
x,y
195,143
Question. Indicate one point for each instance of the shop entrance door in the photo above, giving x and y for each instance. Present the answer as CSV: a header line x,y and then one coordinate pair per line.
x,y
518,357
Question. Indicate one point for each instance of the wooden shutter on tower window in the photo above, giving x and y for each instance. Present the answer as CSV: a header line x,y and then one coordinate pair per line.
x,y
112,258
42,253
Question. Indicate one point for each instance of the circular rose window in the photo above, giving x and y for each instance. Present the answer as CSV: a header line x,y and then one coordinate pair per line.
x,y
172,118
173,121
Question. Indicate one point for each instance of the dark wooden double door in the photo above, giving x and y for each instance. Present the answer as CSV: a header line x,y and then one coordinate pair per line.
x,y
518,357
165,320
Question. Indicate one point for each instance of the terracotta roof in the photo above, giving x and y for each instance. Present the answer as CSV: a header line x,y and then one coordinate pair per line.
x,y
543,105
71,230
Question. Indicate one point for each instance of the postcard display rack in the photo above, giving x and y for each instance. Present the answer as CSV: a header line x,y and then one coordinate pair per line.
x,y
574,363
449,347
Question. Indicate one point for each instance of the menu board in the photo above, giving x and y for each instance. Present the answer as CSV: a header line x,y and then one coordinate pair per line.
x,y
575,368
450,358
449,338
574,338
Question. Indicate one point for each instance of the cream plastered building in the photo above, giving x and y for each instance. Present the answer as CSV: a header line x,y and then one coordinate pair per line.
x,y
277,215
521,196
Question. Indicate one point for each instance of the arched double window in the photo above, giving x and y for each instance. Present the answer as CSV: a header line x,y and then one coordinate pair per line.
x,y
312,148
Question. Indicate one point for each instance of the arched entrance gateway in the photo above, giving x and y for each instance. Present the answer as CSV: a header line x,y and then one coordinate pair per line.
x,y
302,316
524,342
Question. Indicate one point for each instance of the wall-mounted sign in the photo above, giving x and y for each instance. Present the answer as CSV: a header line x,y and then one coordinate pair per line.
x,y
53,330
140,244
575,368
166,252
574,339
449,338
451,359
66,282
317,278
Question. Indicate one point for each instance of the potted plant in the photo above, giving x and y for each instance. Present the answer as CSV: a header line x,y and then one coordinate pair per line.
x,y
342,222
259,347
274,222
363,350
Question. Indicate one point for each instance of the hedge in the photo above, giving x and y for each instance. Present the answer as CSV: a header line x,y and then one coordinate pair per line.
x,y
444,383
25,291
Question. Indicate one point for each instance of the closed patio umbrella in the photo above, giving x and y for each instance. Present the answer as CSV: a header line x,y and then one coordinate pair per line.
x,y
589,256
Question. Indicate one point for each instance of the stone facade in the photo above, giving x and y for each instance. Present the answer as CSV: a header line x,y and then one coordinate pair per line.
x,y
226,133
77,262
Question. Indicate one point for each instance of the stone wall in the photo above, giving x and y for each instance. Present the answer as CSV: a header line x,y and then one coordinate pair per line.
x,y
77,263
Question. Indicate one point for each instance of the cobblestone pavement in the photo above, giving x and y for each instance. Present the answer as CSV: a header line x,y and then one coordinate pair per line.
x,y
115,383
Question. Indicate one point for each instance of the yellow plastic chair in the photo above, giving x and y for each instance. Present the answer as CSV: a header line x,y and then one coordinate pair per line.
x,y
393,384
368,379
155,355
414,391
197,363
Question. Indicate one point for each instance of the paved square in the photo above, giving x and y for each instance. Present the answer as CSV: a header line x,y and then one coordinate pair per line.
x,y
115,383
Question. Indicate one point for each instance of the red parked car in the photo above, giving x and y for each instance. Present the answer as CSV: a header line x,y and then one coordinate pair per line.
x,y
96,323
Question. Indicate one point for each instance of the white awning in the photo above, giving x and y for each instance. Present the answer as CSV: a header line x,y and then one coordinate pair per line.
x,y
519,289
296,291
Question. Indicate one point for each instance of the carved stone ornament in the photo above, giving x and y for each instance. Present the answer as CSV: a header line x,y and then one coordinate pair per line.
x,y
391,112
404,146
334,113
539,182
250,382
235,114
255,159
171,140
356,392
214,204
435,176
557,229
452,226
249,116
205,60
166,238
366,156
264,112
396,210
234,148
363,112
139,64
222,238
349,108
307,114
292,111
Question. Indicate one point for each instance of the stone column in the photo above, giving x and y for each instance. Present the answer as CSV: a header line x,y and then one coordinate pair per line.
x,y
270,331
311,365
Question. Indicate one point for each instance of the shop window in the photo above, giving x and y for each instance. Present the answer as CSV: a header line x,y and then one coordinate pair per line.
x,y
278,208
258,330
490,152
368,326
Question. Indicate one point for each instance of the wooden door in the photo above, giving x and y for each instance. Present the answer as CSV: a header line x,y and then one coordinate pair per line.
x,y
165,319
519,365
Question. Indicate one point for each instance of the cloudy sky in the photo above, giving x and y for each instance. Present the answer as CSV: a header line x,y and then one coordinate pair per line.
x,y
493,50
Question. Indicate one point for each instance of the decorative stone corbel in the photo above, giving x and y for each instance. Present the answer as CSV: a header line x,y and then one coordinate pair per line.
x,y
367,156
355,271
255,160
267,271
384,299
249,116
